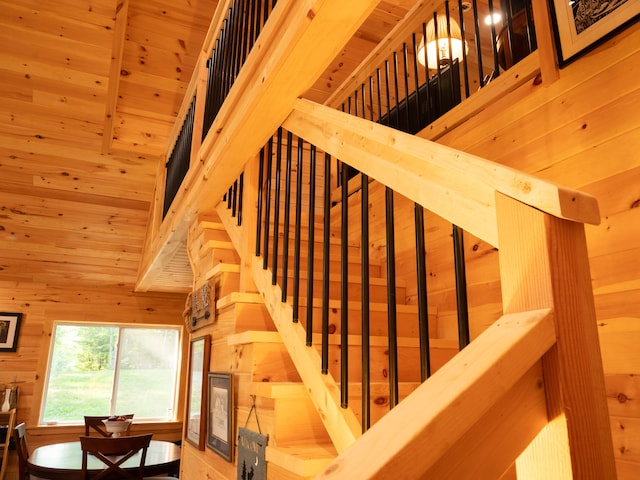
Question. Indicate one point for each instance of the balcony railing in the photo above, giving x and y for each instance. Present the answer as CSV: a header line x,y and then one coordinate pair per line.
x,y
413,86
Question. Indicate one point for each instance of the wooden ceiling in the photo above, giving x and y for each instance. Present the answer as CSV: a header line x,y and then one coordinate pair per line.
x,y
90,91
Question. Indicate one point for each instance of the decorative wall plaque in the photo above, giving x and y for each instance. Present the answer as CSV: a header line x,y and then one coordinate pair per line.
x,y
200,307
252,464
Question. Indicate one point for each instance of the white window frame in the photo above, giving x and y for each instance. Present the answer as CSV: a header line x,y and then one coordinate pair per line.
x,y
120,327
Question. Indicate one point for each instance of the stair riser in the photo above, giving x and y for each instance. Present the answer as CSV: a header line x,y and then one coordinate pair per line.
x,y
354,290
407,323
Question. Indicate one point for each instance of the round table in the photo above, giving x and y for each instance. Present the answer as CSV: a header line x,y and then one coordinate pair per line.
x,y
63,461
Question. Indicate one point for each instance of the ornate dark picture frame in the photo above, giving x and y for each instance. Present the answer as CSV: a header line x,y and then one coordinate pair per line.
x,y
220,424
580,26
9,331
195,416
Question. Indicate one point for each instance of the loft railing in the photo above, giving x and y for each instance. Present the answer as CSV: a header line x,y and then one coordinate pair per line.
x,y
177,165
240,30
414,86
440,57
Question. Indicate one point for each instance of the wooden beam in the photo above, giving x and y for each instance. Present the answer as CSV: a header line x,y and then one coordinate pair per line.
x,y
546,43
278,70
442,412
119,36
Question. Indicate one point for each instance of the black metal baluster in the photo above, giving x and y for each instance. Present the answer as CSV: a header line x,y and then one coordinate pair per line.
x,y
461,287
423,307
287,218
246,9
252,20
391,300
405,62
298,231
325,263
234,198
216,99
387,92
267,208
237,43
344,291
366,313
276,209
417,84
429,113
365,279
240,191
224,34
311,246
260,193
391,275
379,89
396,125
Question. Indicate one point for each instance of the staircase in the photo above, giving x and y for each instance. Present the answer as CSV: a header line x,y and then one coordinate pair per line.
x,y
519,392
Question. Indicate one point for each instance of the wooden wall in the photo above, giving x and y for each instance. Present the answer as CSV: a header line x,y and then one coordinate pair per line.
x,y
582,131
43,304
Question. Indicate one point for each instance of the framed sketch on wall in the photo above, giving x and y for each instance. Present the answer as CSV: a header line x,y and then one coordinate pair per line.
x,y
199,354
220,425
582,24
9,330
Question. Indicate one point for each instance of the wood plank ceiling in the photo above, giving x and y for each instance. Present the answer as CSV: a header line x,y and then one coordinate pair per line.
x,y
89,93
90,90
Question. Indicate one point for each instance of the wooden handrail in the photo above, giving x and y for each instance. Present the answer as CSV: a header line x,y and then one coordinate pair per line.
x,y
455,185
459,395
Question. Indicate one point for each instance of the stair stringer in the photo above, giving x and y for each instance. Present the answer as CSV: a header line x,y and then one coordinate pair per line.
x,y
342,425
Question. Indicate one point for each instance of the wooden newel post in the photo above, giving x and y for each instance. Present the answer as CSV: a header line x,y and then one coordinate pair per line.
x,y
544,264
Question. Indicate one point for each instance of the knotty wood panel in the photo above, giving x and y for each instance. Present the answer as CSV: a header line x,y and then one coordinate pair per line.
x,y
42,304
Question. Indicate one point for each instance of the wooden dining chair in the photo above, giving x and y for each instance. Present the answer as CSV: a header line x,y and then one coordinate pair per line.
x,y
113,452
95,423
20,439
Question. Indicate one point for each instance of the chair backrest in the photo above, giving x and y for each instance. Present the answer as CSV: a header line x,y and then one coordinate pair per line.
x,y
113,452
95,423
20,438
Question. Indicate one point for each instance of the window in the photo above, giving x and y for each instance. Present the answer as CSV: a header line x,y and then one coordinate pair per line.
x,y
111,370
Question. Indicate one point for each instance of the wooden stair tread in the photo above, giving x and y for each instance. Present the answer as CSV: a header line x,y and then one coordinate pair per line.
x,y
238,297
222,268
302,459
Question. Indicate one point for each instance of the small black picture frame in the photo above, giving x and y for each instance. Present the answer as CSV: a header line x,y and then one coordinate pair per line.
x,y
220,424
9,331
580,26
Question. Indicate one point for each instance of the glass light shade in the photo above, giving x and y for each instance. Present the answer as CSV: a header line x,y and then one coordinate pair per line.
x,y
439,49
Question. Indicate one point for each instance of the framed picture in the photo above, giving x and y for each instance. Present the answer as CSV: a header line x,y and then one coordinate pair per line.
x,y
580,25
9,330
199,354
220,427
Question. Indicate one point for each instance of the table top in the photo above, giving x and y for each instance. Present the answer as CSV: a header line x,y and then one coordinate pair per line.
x,y
63,461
